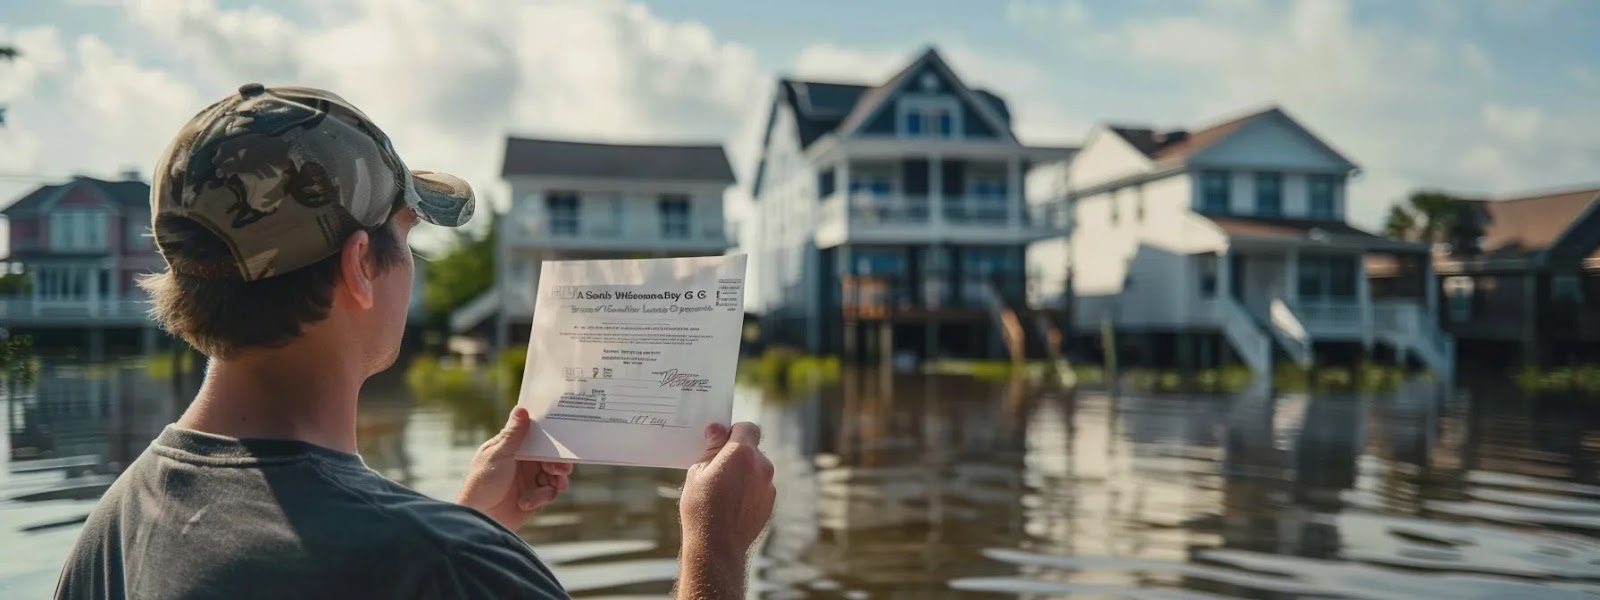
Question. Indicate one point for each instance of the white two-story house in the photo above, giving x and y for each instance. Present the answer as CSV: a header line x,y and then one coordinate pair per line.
x,y
1230,238
889,217
585,201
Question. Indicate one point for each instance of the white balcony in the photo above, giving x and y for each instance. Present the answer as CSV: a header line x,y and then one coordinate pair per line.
x,y
74,312
904,219
579,234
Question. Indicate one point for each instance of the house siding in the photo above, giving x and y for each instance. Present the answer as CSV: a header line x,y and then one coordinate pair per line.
x,y
1105,158
1151,254
785,207
975,125
1269,143
1296,192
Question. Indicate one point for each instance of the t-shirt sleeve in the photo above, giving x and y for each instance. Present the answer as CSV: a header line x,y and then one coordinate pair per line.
x,y
503,568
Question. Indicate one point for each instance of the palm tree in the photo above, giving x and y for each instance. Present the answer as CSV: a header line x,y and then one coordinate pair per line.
x,y
1435,217
1401,225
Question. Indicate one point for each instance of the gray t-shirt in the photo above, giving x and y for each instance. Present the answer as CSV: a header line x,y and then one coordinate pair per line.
x,y
204,516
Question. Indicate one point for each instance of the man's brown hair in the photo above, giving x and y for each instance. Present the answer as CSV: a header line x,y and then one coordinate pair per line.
x,y
222,316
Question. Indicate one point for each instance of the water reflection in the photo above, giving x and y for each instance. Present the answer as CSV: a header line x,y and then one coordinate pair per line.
x,y
934,487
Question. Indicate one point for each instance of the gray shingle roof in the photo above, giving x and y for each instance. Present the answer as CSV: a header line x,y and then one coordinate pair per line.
x,y
129,195
527,156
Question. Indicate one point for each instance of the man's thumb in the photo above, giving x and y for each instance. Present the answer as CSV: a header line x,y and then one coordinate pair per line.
x,y
517,426
716,438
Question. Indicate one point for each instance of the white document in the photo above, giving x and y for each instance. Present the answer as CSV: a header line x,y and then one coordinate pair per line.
x,y
629,360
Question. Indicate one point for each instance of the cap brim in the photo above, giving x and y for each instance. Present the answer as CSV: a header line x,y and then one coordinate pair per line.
x,y
441,198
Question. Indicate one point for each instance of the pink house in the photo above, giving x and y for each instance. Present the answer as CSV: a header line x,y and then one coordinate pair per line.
x,y
82,244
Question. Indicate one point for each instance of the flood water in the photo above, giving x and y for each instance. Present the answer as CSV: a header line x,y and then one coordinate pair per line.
x,y
944,487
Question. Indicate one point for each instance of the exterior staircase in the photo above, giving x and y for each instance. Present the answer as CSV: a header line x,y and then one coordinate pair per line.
x,y
1249,342
1407,327
1290,333
1007,322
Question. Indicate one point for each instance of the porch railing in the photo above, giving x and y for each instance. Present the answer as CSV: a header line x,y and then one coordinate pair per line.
x,y
1329,313
21,310
862,209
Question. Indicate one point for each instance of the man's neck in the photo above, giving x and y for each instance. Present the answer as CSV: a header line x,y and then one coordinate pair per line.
x,y
288,393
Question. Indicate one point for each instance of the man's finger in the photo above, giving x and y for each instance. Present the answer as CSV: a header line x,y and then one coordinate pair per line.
x,y
716,438
745,433
534,498
557,468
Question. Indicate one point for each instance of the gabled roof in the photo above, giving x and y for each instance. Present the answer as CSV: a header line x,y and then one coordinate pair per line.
x,y
819,106
1521,227
823,107
873,100
126,195
527,156
1177,146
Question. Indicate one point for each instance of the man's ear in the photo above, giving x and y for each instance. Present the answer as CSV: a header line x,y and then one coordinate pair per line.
x,y
356,273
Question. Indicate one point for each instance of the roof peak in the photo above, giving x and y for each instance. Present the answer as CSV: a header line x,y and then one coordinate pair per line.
x,y
617,143
1550,192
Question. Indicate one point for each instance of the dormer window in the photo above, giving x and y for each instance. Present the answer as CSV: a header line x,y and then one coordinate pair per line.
x,y
928,117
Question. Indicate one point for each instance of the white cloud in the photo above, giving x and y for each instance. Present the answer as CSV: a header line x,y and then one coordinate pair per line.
x,y
448,81
1071,14
1516,124
1409,108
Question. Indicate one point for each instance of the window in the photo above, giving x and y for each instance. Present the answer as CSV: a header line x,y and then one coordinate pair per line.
x,y
138,234
988,196
1458,292
1269,194
610,215
1112,200
1206,266
1214,192
78,230
1342,273
674,216
1313,275
873,184
562,210
1327,277
1323,190
1138,203
71,283
932,117
878,261
1565,290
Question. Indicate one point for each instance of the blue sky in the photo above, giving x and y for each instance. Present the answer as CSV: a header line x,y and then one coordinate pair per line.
x,y
1479,96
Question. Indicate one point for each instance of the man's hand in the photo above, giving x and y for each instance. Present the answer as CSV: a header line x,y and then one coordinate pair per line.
x,y
727,500
506,489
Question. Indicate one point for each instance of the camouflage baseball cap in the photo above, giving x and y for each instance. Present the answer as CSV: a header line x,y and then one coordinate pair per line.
x,y
284,175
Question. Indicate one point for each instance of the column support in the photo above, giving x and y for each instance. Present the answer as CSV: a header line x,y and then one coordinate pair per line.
x,y
1014,199
936,191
